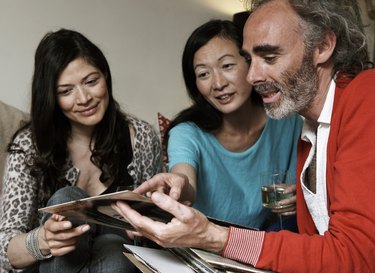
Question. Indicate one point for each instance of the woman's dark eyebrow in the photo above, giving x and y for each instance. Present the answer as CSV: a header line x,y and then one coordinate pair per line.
x,y
83,79
90,74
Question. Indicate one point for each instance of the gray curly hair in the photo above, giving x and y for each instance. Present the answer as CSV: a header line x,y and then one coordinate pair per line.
x,y
342,17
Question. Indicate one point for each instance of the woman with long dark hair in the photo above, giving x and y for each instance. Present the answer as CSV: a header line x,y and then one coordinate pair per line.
x,y
78,143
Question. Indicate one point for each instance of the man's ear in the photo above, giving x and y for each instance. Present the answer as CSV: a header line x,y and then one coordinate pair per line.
x,y
324,51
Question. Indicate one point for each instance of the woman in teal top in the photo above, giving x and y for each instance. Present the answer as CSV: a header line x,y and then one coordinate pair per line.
x,y
228,183
224,141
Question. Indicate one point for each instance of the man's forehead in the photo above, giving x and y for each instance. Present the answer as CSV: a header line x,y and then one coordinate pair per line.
x,y
269,25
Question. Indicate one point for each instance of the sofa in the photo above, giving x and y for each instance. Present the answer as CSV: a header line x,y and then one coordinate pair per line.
x,y
10,120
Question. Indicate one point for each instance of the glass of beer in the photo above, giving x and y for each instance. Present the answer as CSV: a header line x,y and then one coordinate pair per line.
x,y
273,190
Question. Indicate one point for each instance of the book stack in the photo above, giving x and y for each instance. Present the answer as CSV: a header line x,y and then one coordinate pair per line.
x,y
183,260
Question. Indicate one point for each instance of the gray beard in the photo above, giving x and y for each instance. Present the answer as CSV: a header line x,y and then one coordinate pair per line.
x,y
301,89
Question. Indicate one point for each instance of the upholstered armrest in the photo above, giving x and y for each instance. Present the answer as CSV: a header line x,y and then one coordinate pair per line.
x,y
10,118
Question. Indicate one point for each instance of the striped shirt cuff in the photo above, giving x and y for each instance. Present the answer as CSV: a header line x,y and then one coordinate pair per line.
x,y
244,245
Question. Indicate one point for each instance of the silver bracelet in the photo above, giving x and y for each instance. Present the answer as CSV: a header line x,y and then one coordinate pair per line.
x,y
32,245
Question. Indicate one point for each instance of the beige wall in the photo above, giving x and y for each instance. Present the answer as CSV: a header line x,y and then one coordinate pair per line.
x,y
142,39
369,24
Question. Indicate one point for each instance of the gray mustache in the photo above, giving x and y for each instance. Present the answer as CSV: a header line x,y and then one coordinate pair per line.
x,y
267,87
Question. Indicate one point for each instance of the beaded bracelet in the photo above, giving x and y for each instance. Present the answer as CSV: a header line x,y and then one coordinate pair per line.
x,y
32,245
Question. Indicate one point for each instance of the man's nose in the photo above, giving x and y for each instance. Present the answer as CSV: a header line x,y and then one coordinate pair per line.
x,y
255,74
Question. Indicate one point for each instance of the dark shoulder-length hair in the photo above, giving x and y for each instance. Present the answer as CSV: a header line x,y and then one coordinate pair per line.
x,y
201,112
51,129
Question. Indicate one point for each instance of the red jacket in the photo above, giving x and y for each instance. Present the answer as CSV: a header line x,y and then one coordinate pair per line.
x,y
349,244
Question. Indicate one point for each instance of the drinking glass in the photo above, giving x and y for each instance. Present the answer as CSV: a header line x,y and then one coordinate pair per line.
x,y
274,184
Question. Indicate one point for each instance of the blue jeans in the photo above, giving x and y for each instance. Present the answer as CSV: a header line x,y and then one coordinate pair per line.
x,y
99,250
289,223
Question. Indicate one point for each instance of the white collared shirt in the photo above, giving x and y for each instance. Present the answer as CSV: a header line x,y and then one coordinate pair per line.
x,y
317,202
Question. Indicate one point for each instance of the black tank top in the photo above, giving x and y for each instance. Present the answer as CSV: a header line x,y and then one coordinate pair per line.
x,y
126,179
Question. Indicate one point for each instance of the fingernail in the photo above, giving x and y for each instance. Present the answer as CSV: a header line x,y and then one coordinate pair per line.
x,y
175,195
67,225
85,228
157,197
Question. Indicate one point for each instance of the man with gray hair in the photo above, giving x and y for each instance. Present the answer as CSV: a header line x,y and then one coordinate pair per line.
x,y
309,57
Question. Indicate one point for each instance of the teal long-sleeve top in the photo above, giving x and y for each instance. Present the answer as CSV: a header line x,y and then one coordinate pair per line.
x,y
228,183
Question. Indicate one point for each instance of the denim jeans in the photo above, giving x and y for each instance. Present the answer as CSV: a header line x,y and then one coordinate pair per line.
x,y
99,250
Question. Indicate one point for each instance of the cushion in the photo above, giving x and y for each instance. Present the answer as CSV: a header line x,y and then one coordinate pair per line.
x,y
163,123
10,121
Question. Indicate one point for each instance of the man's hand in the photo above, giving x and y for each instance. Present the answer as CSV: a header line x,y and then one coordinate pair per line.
x,y
189,228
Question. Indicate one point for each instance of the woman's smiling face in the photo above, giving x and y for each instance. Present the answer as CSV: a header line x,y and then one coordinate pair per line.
x,y
220,73
82,93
